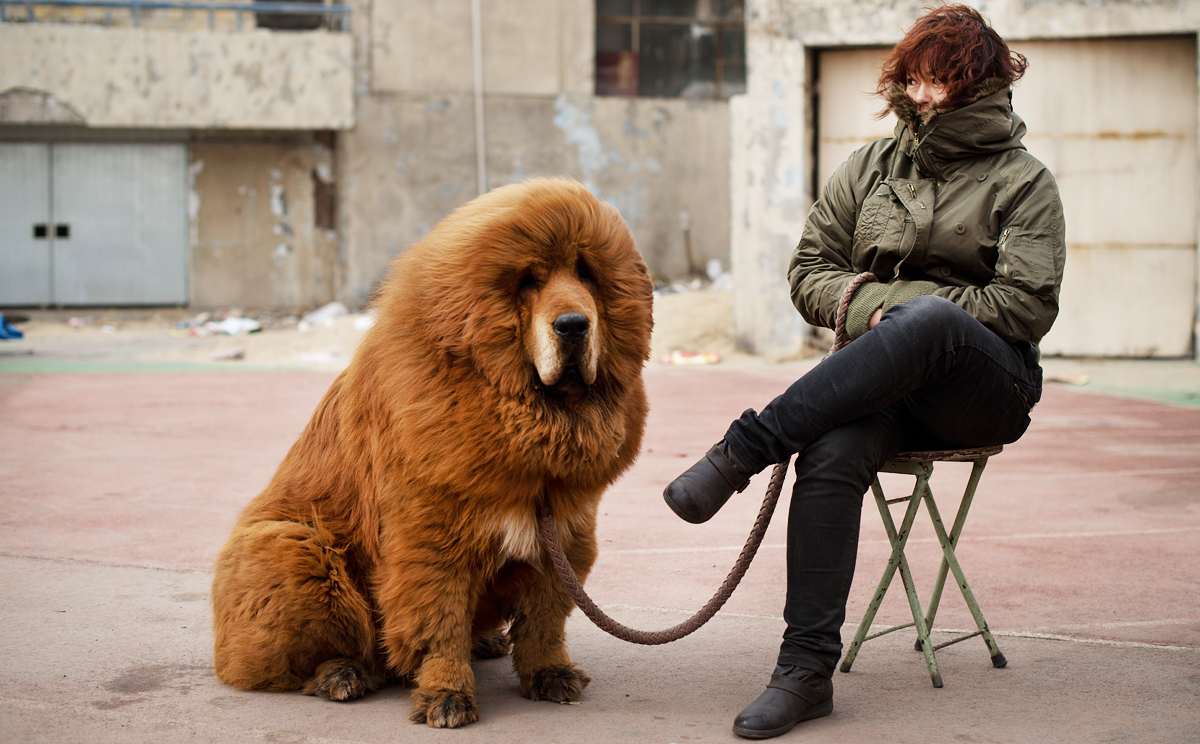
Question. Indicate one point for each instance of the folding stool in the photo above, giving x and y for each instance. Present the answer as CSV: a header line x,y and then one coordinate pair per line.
x,y
920,464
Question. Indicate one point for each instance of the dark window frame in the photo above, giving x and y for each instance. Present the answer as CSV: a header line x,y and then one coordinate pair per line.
x,y
718,26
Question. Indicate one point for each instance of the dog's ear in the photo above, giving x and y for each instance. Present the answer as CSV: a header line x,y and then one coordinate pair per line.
x,y
628,290
469,313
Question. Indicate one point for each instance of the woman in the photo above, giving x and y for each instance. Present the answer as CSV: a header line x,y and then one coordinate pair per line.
x,y
964,231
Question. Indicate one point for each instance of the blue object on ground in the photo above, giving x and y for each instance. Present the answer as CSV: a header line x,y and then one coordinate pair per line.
x,y
8,330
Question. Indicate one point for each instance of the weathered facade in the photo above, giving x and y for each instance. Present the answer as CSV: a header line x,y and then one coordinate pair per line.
x,y
310,158
413,155
1111,104
315,157
122,138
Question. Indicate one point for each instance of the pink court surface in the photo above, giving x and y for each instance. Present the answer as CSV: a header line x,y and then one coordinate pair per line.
x,y
1083,549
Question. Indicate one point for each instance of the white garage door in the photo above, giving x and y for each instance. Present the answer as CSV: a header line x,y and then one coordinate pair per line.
x,y
93,224
1115,120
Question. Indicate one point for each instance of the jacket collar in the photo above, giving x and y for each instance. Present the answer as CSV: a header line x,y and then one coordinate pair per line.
x,y
937,138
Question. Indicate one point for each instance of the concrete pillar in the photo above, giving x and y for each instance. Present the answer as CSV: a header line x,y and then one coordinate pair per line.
x,y
769,186
1196,315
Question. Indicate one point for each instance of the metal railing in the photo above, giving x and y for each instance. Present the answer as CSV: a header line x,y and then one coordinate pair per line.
x,y
267,14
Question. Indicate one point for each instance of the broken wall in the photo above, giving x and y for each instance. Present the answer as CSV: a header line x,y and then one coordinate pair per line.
x,y
252,105
261,223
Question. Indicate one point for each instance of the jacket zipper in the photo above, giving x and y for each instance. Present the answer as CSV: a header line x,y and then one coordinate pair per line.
x,y
1004,253
913,191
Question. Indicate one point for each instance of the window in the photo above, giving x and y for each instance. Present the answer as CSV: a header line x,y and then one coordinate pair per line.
x,y
670,48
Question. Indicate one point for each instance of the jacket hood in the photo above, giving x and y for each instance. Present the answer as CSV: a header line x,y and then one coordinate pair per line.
x,y
983,124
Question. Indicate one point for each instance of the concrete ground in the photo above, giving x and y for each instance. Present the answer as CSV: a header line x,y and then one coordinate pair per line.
x,y
119,483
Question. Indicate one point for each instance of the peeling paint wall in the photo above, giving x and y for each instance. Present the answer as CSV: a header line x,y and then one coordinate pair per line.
x,y
732,180
148,78
663,163
400,90
769,194
255,242
254,234
411,160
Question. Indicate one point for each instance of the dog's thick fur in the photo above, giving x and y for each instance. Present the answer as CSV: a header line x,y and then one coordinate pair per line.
x,y
399,534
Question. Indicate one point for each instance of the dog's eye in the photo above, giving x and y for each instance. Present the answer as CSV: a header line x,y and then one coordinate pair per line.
x,y
527,282
582,271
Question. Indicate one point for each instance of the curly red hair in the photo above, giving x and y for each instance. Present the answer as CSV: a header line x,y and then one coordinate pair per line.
x,y
956,45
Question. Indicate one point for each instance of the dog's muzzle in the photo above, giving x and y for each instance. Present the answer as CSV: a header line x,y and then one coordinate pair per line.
x,y
567,360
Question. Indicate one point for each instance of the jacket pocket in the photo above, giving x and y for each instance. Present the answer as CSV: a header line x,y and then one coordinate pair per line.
x,y
872,221
1028,259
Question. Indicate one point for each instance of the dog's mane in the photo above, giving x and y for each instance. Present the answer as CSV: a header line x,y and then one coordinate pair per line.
x,y
449,303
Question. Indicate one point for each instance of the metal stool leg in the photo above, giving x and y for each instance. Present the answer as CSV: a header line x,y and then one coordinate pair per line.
x,y
873,607
914,604
898,539
950,560
959,519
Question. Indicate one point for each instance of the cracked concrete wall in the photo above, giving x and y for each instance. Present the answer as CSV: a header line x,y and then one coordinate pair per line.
x,y
772,131
770,195
664,163
411,160
254,238
164,78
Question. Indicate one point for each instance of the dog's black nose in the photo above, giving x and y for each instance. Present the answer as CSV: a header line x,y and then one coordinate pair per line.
x,y
572,326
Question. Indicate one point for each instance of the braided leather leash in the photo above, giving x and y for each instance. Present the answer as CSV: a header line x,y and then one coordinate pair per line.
x,y
839,334
693,623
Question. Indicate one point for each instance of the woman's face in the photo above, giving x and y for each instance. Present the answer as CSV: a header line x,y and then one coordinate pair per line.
x,y
925,90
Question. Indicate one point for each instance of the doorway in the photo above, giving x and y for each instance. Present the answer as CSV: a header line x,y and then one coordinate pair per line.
x,y
93,224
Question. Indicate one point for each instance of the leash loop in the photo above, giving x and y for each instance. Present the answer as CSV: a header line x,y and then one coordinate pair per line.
x,y
687,627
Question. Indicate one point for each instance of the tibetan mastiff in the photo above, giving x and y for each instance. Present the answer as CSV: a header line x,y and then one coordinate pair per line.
x,y
398,539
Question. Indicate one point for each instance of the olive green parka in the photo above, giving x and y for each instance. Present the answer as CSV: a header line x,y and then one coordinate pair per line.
x,y
953,206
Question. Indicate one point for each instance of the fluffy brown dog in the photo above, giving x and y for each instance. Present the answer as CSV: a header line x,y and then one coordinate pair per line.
x,y
399,534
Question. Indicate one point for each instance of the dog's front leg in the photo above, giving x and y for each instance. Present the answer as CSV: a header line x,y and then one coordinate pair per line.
x,y
428,603
538,630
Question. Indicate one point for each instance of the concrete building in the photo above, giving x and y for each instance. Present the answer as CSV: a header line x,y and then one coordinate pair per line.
x,y
217,158
163,157
298,162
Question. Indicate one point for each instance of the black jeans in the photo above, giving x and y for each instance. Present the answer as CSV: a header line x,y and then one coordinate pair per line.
x,y
928,376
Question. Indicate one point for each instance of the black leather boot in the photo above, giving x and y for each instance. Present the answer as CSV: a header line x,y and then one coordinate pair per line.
x,y
786,702
705,487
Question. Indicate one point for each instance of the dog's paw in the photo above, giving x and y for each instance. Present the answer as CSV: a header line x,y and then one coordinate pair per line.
x,y
444,709
491,646
340,680
558,684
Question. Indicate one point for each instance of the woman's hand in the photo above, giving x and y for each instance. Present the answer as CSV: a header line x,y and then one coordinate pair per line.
x,y
875,316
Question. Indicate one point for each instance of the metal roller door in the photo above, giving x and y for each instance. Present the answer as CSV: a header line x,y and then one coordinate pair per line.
x,y
93,224
24,222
